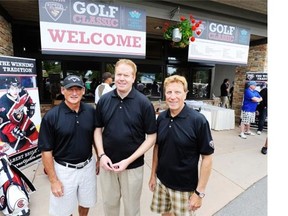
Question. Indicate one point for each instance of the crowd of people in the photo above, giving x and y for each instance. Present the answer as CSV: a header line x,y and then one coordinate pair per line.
x,y
254,107
78,142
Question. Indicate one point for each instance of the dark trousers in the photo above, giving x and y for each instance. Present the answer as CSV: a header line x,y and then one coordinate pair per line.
x,y
262,118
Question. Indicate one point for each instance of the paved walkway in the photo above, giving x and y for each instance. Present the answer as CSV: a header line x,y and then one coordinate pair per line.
x,y
252,202
238,170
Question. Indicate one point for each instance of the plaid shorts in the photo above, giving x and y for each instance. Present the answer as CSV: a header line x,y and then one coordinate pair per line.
x,y
167,200
247,117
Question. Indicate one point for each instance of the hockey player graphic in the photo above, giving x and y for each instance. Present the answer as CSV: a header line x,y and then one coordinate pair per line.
x,y
16,109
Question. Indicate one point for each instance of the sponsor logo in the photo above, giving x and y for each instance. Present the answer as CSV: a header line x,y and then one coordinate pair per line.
x,y
74,79
135,14
211,143
54,10
21,203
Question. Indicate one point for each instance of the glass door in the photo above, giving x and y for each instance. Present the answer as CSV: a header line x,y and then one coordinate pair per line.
x,y
198,78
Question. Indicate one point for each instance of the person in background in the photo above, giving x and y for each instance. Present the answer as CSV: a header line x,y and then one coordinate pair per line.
x,y
66,145
231,92
125,130
140,86
104,87
183,136
224,89
265,147
93,85
155,89
262,109
248,110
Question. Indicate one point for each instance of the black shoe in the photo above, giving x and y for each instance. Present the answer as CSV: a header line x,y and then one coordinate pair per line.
x,y
264,150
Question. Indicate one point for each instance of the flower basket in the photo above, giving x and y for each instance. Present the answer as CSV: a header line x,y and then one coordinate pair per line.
x,y
186,27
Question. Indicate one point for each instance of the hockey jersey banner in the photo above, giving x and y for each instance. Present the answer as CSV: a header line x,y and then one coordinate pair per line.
x,y
20,115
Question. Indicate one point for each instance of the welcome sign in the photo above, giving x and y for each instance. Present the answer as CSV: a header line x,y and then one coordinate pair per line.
x,y
70,27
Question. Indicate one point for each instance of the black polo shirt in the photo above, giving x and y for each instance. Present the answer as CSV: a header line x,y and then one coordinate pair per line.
x,y
223,89
67,133
181,140
126,122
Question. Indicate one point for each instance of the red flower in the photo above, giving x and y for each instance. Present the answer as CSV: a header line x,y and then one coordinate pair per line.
x,y
188,28
166,24
182,18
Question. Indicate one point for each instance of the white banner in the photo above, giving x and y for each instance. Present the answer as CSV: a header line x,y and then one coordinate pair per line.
x,y
71,27
20,115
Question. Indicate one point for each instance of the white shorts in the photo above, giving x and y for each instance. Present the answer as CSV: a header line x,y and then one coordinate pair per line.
x,y
80,188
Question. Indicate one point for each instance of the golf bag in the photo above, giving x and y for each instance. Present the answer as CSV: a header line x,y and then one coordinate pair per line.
x,y
14,189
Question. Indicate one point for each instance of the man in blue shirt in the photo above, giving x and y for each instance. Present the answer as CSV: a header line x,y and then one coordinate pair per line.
x,y
248,111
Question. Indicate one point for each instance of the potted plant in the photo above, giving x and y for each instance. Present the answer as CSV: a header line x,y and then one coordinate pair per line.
x,y
183,31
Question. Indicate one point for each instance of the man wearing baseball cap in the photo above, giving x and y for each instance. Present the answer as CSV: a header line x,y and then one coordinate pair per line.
x,y
248,110
65,142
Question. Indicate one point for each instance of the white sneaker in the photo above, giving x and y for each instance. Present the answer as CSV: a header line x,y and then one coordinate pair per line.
x,y
242,135
259,132
249,133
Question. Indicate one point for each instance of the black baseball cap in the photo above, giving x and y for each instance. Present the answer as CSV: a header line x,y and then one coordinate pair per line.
x,y
73,80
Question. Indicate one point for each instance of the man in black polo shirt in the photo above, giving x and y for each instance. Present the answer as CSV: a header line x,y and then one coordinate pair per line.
x,y
125,130
224,88
66,140
183,135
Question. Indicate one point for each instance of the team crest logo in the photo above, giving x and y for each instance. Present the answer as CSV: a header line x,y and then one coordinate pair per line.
x,y
211,143
54,10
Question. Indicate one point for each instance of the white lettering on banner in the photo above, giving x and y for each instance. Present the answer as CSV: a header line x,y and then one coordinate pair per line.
x,y
14,70
222,29
22,64
4,63
99,21
13,67
95,38
94,9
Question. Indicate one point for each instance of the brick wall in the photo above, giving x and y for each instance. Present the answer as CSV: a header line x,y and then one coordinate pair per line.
x,y
257,62
6,45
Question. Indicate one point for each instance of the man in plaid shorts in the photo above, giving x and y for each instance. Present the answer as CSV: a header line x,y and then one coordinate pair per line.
x,y
183,135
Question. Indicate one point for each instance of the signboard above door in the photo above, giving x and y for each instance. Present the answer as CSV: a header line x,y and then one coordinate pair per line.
x,y
91,28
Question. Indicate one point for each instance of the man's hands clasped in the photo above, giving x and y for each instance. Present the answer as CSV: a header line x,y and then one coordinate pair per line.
x,y
106,164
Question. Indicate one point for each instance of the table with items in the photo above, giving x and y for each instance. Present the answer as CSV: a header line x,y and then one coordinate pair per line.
x,y
219,118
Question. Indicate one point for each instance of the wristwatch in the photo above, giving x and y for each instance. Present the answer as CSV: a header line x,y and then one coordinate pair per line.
x,y
200,194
